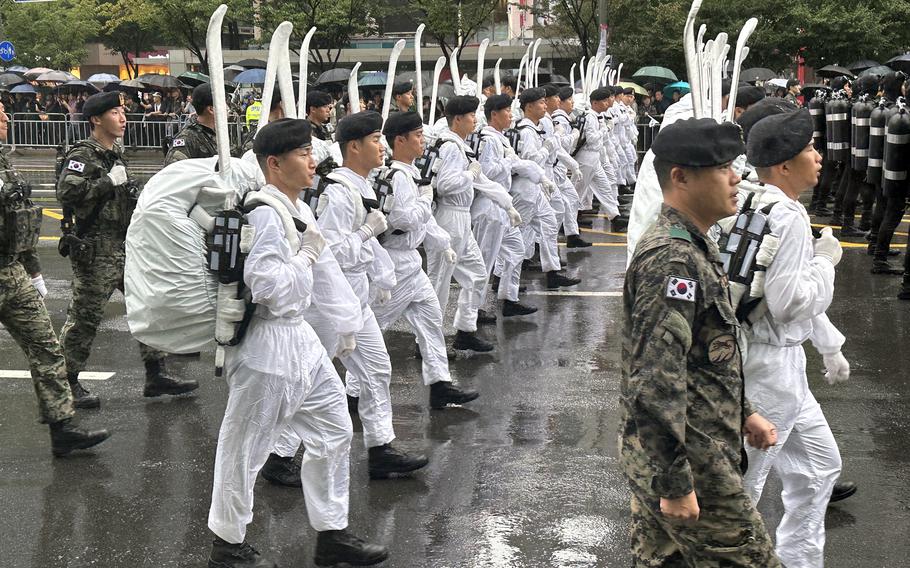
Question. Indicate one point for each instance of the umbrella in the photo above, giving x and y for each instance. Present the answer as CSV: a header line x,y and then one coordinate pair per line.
x,y
445,90
373,79
157,81
639,90
756,74
778,82
861,65
680,86
559,80
654,74
18,69
76,86
56,77
251,77
877,70
232,71
193,78
834,71
334,76
24,88
808,91
10,79
127,86
103,78
252,64
412,77
35,71
900,63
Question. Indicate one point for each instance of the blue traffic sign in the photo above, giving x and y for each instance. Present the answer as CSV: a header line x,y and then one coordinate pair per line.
x,y
7,51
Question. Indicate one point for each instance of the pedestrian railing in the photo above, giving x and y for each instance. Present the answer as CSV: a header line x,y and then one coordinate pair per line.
x,y
31,130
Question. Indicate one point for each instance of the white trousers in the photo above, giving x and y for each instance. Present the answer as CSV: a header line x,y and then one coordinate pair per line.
x,y
596,182
260,405
469,270
568,215
415,299
508,264
805,458
539,226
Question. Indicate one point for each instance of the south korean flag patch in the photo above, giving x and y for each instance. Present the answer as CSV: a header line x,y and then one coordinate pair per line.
x,y
76,166
679,288
178,142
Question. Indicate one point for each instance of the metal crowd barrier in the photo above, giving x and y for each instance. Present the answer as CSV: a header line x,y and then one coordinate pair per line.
x,y
29,130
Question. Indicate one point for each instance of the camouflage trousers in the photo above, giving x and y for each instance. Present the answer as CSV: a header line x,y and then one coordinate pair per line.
x,y
729,533
92,286
23,314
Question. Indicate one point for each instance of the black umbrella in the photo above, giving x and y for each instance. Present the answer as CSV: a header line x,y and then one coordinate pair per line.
x,y
808,91
756,74
128,86
252,64
861,65
77,86
334,76
8,80
159,82
900,63
834,71
877,70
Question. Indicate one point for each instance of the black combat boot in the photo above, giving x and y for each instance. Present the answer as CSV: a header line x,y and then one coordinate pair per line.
x,y
619,224
385,460
468,341
81,397
444,393
336,547
556,280
575,241
585,221
227,555
904,294
281,471
494,283
65,438
510,308
882,266
485,317
848,231
842,490
158,382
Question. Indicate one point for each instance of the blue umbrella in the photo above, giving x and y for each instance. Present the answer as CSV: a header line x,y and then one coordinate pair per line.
x,y
373,79
251,77
680,86
26,88
103,78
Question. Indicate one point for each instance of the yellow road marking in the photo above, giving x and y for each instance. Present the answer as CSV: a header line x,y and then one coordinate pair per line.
x,y
52,214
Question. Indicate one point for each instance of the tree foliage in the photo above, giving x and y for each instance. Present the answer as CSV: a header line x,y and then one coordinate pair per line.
x,y
453,24
185,23
51,34
127,27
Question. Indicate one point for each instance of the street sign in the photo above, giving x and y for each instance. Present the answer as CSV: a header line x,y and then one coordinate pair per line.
x,y
7,51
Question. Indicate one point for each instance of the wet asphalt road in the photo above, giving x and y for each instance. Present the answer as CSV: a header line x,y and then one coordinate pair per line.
x,y
526,476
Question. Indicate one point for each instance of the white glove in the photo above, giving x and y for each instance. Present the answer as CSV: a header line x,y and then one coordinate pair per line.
x,y
551,144
426,192
450,255
312,244
375,224
40,286
837,369
767,250
389,203
346,345
514,216
509,152
475,169
117,175
826,246
577,175
383,296
548,186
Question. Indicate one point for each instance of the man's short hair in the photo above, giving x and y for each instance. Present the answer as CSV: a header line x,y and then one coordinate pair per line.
x,y
511,82
317,99
202,97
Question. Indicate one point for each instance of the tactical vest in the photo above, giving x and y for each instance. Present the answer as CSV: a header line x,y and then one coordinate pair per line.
x,y
20,225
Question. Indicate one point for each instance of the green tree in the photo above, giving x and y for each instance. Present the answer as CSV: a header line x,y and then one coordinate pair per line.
x,y
127,27
454,24
49,34
185,23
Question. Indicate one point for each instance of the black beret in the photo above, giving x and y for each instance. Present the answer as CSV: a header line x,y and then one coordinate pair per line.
x,y
317,99
762,109
601,94
401,88
565,93
281,136
401,123
748,95
99,104
357,126
202,97
497,102
628,91
531,95
777,138
698,143
550,90
462,104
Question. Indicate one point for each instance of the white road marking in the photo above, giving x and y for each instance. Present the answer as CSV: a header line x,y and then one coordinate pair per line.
x,y
83,376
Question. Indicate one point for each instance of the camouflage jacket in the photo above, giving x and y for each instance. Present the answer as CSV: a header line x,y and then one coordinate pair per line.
x,y
193,141
682,402
10,181
83,185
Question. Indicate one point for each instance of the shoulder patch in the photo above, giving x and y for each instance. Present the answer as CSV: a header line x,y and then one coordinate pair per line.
x,y
679,288
76,166
178,142
680,233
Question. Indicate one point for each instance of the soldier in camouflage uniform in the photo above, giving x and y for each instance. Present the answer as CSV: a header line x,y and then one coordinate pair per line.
x,y
197,138
95,188
22,310
683,409
319,107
